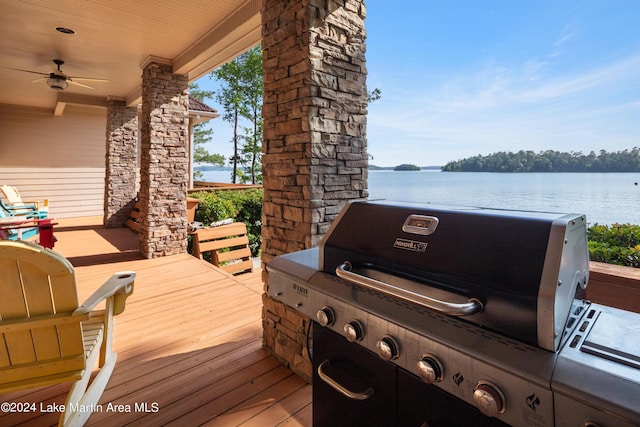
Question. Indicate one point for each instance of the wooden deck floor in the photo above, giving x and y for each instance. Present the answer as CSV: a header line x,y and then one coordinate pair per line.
x,y
189,343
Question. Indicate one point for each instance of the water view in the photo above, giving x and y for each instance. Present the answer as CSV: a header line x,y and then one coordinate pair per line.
x,y
606,198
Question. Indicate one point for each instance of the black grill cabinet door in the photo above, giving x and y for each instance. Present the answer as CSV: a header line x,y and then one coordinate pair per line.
x,y
356,369
420,404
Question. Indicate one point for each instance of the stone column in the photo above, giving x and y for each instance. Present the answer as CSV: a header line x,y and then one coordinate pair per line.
x,y
121,163
164,162
315,158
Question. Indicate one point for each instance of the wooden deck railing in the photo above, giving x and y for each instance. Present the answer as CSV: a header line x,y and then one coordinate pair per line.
x,y
217,186
615,286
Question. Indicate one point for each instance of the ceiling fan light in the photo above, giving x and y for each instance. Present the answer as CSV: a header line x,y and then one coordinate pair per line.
x,y
57,84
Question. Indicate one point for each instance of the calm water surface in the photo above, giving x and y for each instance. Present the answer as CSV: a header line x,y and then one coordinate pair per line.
x,y
605,198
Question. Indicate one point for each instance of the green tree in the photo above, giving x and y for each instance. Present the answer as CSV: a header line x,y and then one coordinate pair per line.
x,y
253,90
374,95
251,155
240,95
202,135
229,96
406,167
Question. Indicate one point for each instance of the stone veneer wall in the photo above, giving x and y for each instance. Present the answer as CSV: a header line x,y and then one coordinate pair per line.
x,y
121,163
164,162
315,157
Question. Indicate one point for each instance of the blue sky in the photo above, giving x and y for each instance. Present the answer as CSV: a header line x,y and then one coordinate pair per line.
x,y
461,78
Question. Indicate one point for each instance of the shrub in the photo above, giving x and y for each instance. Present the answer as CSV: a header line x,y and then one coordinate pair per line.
x,y
616,244
241,205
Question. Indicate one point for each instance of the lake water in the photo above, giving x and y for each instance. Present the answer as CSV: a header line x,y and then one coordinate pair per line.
x,y
605,198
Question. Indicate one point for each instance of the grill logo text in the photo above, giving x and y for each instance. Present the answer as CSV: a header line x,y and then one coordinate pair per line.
x,y
300,289
410,245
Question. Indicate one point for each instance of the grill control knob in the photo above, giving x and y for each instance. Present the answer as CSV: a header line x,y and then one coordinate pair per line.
x,y
354,331
326,316
489,399
430,369
388,348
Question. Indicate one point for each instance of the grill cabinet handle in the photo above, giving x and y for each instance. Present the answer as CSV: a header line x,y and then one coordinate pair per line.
x,y
472,306
354,395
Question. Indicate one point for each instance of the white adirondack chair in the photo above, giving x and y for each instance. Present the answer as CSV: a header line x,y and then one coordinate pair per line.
x,y
15,201
46,338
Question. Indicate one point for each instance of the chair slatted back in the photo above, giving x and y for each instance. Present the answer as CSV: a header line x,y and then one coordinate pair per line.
x,y
12,195
38,295
228,245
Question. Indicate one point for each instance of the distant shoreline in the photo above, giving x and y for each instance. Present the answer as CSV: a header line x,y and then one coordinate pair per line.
x,y
422,168
390,168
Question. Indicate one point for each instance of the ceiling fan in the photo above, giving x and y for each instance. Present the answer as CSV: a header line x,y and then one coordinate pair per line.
x,y
57,80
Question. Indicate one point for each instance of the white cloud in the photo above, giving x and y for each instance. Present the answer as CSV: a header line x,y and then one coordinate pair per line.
x,y
560,45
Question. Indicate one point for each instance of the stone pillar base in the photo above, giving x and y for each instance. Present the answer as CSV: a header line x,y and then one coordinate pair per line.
x,y
286,335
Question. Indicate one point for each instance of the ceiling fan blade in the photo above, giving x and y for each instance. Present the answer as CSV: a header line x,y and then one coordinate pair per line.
x,y
79,84
87,79
40,79
29,71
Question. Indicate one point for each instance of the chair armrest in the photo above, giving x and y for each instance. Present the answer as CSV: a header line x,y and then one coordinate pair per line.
x,y
33,203
22,207
119,286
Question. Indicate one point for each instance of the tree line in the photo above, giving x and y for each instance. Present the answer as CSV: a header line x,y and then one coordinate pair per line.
x,y
549,161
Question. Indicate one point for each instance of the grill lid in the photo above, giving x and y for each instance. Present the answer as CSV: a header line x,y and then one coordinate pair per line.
x,y
513,271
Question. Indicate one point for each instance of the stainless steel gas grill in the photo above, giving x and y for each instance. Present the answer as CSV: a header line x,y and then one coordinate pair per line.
x,y
454,316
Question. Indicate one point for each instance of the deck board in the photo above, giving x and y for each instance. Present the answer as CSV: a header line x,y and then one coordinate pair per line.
x,y
189,342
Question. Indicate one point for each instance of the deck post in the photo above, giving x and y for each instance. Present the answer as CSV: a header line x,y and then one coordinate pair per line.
x,y
314,149
164,161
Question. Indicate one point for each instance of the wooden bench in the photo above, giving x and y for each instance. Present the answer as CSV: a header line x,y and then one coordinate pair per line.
x,y
228,246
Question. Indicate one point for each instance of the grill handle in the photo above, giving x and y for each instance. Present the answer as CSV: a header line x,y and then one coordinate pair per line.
x,y
472,306
354,395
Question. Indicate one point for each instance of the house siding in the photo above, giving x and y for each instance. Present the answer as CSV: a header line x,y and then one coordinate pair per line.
x,y
61,159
